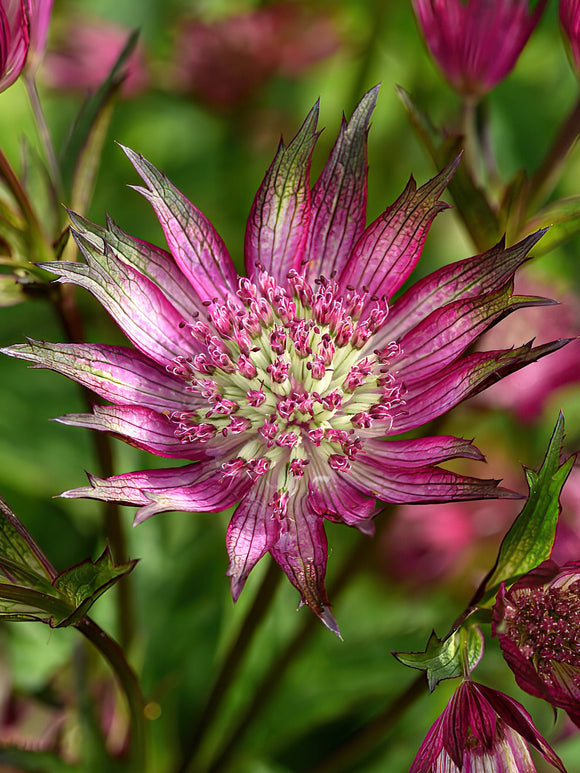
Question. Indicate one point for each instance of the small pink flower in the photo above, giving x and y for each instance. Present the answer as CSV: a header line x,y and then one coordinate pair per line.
x,y
87,51
570,21
476,42
482,729
291,443
39,14
537,622
224,62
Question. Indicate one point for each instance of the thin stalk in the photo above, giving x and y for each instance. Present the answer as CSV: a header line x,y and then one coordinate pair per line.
x,y
373,732
471,146
357,559
129,683
232,662
44,135
541,181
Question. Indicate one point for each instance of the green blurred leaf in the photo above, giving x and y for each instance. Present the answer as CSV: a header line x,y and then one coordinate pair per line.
x,y
456,655
529,541
21,560
562,218
11,293
35,762
82,585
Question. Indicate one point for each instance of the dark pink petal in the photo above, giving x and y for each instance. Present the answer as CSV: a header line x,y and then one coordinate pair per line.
x,y
136,304
39,13
251,533
278,223
446,333
138,426
156,264
334,497
116,373
427,399
193,488
339,198
469,718
197,248
14,40
486,273
389,249
431,748
422,484
417,452
301,553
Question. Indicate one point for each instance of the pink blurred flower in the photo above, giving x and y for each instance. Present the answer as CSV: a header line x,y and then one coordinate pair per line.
x,y
482,729
23,28
39,13
537,621
87,51
570,21
476,43
224,62
283,389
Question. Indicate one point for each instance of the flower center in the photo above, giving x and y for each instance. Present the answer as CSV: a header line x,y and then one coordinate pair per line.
x,y
545,625
283,379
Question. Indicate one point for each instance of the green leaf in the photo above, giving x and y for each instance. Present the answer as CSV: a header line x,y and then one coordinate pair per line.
x,y
35,762
563,219
82,585
21,560
457,655
529,541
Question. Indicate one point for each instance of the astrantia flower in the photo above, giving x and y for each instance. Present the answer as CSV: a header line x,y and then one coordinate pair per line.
x,y
14,40
482,730
281,388
537,622
476,43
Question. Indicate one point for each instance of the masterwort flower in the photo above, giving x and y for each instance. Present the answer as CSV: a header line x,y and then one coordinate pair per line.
x,y
482,730
282,388
537,622
14,40
476,43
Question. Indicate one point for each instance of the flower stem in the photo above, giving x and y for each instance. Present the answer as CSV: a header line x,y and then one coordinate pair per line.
x,y
232,662
45,136
113,654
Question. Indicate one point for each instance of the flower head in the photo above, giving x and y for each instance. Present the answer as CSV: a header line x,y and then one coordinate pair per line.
x,y
570,21
482,730
476,42
537,622
283,388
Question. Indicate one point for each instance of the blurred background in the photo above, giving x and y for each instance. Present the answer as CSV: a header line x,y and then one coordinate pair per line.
x,y
210,88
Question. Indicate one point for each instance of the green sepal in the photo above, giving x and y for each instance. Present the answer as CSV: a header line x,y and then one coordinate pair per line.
x,y
531,537
470,201
456,655
82,585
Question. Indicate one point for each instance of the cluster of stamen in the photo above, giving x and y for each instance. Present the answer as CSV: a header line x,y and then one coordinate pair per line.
x,y
287,378
545,625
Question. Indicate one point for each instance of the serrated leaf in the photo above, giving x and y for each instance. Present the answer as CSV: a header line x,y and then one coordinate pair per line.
x,y
529,541
82,585
457,655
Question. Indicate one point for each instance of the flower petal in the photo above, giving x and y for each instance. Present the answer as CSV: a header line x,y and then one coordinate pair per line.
x,y
197,248
301,553
140,427
389,248
417,452
251,533
156,264
339,198
278,223
116,373
335,497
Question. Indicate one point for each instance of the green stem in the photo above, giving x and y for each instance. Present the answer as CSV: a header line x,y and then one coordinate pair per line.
x,y
129,683
232,662
45,136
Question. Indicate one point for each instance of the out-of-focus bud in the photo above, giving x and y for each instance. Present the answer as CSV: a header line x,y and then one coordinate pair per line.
x,y
39,16
476,43
570,21
14,40
85,53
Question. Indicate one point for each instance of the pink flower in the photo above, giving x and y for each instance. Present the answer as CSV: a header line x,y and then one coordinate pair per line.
x,y
281,389
537,622
39,14
476,43
23,28
224,62
86,55
570,21
482,729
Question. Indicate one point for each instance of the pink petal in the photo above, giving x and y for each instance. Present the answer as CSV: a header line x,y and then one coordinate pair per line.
x,y
251,533
116,373
334,497
468,278
389,249
417,452
339,198
136,304
197,248
138,426
156,264
301,553
14,29
278,223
